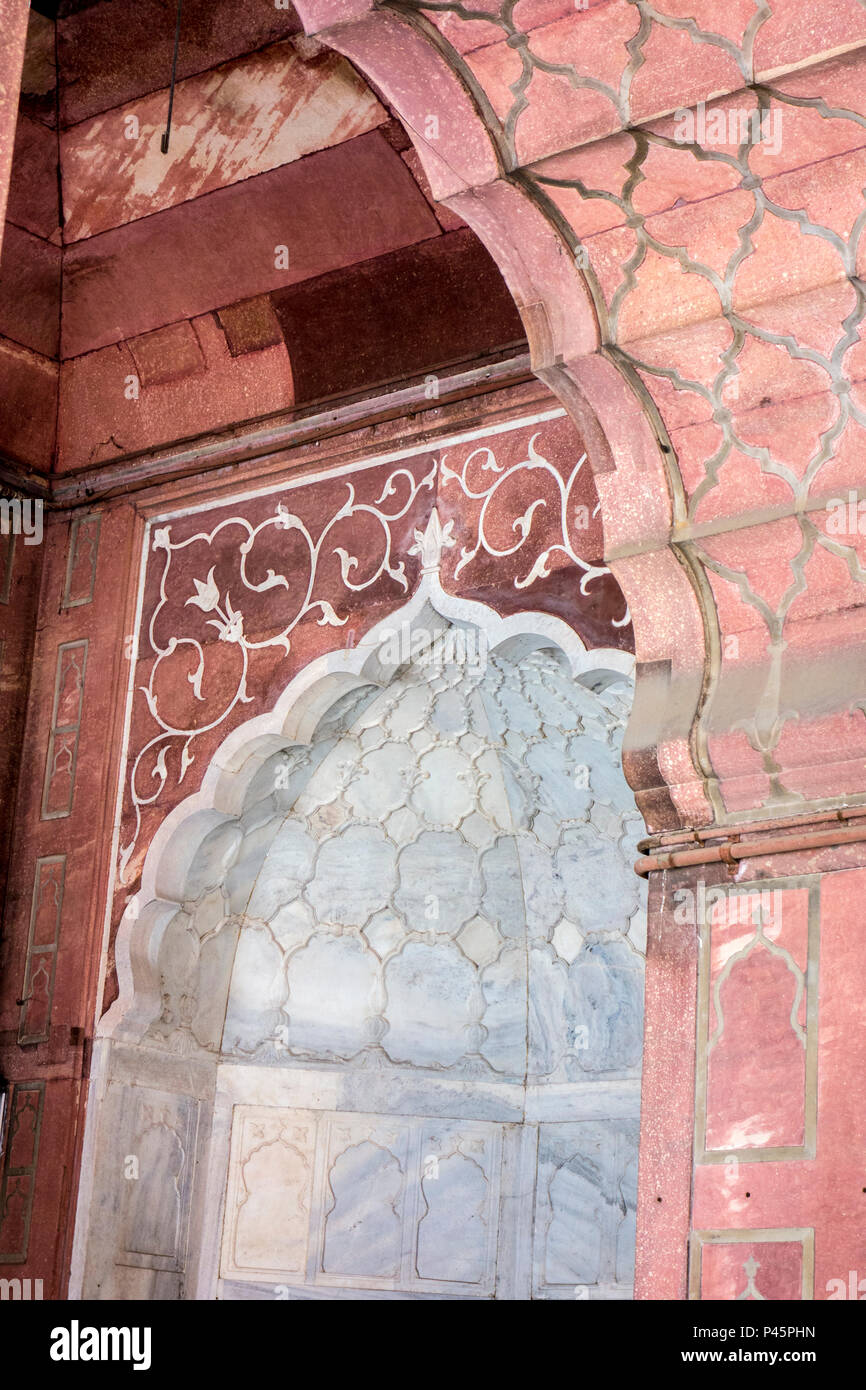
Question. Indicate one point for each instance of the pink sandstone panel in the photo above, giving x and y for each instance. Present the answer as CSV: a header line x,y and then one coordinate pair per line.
x,y
757,1026
226,245
752,1270
228,124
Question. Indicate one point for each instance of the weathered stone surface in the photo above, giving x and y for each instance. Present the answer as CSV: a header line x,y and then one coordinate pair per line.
x,y
30,291
110,54
228,124
13,18
108,408
344,335
33,200
250,326
39,74
227,246
28,405
168,354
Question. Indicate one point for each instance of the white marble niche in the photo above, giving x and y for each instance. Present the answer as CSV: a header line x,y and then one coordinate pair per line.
x,y
408,980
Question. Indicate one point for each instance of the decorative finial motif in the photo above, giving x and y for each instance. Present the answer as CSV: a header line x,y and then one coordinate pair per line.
x,y
751,1268
430,543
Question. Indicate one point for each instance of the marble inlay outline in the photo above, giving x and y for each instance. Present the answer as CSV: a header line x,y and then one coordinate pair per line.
x,y
73,559
42,956
64,737
807,1149
178,1117
13,1173
759,1236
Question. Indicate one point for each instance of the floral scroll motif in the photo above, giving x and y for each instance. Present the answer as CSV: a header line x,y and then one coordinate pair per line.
x,y
400,490
557,535
223,606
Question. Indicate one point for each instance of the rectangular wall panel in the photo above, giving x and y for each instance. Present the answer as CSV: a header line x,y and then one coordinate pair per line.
x,y
758,1022
19,1170
344,1201
745,1266
59,785
81,560
44,936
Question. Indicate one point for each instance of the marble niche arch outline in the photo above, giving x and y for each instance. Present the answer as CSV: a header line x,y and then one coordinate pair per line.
x,y
294,719
220,800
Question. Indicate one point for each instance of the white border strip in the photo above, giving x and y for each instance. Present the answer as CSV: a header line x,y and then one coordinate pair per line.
x,y
341,470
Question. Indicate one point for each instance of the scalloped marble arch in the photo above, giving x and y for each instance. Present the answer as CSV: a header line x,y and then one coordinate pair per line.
x,y
294,719
198,1088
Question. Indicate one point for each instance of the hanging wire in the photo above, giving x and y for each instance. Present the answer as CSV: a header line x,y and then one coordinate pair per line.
x,y
164,141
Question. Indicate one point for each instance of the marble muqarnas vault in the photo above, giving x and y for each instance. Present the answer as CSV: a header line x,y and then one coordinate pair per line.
x,y
407,979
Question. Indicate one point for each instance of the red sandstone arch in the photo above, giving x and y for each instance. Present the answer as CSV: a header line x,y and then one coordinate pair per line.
x,y
710,354
535,250
724,364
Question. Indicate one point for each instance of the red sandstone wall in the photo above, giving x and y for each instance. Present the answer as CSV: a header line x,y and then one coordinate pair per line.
x,y
761,1154
731,299
170,293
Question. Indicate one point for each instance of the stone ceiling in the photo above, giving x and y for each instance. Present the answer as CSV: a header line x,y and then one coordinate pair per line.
x,y
285,250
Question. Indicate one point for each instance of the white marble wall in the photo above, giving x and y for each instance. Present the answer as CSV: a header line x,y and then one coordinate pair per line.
x,y
416,962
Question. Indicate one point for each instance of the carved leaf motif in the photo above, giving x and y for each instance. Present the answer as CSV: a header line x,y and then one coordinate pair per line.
x,y
398,573
207,596
271,581
347,562
232,628
524,523
287,521
195,676
430,543
539,571
328,617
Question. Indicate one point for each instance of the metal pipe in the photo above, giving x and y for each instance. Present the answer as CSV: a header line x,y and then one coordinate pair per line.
x,y
710,832
163,144
748,849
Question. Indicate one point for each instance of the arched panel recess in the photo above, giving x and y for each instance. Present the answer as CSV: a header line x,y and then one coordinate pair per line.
x,y
499,972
